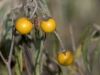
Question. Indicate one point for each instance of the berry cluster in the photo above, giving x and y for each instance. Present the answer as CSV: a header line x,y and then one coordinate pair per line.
x,y
24,26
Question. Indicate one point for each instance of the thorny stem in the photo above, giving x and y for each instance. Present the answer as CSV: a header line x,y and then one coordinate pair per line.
x,y
34,9
25,60
72,37
59,40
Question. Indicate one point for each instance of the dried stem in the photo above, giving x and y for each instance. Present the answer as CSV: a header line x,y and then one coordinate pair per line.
x,y
3,58
22,8
41,10
9,59
59,40
7,64
11,49
72,37
34,9
23,50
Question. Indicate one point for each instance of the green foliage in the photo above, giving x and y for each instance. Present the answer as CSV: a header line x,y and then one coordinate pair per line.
x,y
44,7
3,11
18,61
86,33
35,47
96,60
3,70
56,46
78,52
8,34
85,49
39,48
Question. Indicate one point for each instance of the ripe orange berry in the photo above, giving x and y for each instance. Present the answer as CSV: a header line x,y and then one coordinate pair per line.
x,y
48,26
23,25
65,58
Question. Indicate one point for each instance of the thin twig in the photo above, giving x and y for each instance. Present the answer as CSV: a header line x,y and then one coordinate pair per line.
x,y
7,64
41,10
72,37
11,49
27,5
3,58
23,50
34,9
22,8
59,40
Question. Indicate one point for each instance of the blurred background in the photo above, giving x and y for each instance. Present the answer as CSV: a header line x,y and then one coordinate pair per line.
x,y
82,14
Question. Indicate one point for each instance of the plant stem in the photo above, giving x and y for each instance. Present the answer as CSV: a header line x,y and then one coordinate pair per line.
x,y
7,64
11,49
9,69
41,10
3,58
59,40
72,37
34,10
42,52
38,55
23,50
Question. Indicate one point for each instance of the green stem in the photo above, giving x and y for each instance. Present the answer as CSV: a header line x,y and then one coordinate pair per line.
x,y
38,55
40,42
41,59
62,46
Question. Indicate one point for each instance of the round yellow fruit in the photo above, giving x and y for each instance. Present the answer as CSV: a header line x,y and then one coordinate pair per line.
x,y
48,26
65,58
23,25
